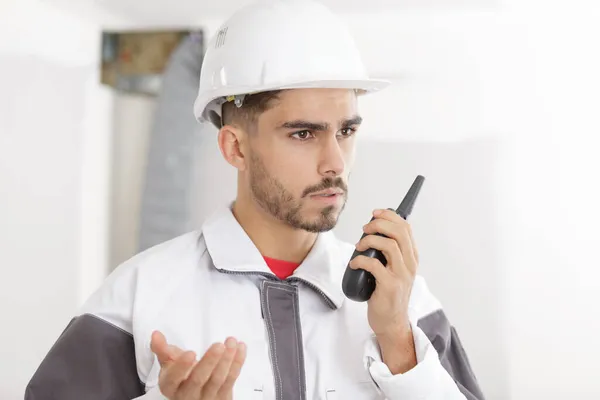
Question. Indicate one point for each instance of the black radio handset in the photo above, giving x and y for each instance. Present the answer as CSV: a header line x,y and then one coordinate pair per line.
x,y
358,284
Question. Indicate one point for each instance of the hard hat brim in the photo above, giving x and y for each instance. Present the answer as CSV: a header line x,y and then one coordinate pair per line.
x,y
363,86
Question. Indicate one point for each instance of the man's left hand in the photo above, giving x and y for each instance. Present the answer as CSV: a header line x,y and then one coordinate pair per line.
x,y
388,305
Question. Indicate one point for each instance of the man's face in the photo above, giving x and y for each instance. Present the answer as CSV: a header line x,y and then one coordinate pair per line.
x,y
300,157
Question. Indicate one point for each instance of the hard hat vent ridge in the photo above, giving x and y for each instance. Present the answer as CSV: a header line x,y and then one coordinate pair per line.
x,y
221,35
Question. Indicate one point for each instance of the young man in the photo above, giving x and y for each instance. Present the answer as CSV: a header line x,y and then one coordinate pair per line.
x,y
251,305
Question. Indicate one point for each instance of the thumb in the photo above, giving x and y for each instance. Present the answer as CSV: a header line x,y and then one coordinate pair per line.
x,y
161,348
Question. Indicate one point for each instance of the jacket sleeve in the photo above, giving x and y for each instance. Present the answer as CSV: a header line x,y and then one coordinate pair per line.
x,y
92,359
443,371
95,357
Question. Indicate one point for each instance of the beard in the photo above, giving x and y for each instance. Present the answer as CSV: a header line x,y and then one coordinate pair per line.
x,y
276,200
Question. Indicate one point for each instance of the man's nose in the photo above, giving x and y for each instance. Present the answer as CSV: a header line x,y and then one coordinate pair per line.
x,y
332,161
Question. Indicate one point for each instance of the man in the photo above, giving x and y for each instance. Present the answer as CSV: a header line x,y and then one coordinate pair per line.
x,y
251,306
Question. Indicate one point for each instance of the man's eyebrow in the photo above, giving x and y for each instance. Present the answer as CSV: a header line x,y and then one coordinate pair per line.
x,y
357,120
302,124
319,126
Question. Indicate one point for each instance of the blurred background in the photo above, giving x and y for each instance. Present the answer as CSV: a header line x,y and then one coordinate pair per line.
x,y
495,102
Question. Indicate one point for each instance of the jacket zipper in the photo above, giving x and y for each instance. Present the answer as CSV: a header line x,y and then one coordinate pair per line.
x,y
316,289
263,306
275,278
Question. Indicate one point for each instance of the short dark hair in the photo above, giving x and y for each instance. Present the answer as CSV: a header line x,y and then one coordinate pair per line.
x,y
252,106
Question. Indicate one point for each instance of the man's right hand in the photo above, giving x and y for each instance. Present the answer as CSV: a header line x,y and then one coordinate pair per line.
x,y
212,378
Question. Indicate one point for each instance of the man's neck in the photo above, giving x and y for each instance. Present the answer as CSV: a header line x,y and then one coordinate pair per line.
x,y
273,238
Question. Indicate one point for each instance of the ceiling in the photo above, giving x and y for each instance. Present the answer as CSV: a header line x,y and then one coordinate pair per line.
x,y
195,12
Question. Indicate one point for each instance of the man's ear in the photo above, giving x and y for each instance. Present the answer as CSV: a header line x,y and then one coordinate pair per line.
x,y
232,142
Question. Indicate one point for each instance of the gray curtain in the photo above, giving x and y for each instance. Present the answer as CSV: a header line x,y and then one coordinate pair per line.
x,y
166,195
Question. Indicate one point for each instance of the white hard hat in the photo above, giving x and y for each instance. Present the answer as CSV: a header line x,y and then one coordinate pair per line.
x,y
279,44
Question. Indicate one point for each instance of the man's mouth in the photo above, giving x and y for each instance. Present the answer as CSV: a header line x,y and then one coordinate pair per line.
x,y
328,193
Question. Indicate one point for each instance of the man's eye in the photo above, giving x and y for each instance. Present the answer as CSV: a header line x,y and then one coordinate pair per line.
x,y
348,131
302,135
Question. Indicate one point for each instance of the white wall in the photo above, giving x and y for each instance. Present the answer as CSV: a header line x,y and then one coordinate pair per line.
x,y
40,171
552,234
54,140
133,117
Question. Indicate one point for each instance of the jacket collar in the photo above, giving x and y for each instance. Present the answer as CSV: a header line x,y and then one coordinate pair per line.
x,y
232,250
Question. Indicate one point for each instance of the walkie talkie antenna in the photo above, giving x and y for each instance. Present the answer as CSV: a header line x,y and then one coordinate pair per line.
x,y
405,208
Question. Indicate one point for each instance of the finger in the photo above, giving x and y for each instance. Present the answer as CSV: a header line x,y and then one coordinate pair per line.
x,y
175,352
192,387
235,370
219,375
372,265
172,376
400,232
389,247
389,215
384,227
170,353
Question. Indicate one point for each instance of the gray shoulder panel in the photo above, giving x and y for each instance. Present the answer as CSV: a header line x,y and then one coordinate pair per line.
x,y
452,355
92,360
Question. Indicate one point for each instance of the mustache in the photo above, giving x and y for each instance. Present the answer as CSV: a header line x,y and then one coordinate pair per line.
x,y
326,183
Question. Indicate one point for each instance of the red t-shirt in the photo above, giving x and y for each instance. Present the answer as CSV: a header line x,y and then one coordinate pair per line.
x,y
281,268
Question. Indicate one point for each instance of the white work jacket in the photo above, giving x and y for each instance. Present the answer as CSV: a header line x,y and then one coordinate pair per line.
x,y
304,339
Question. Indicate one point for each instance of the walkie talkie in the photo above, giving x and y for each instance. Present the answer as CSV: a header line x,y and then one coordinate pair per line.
x,y
358,284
